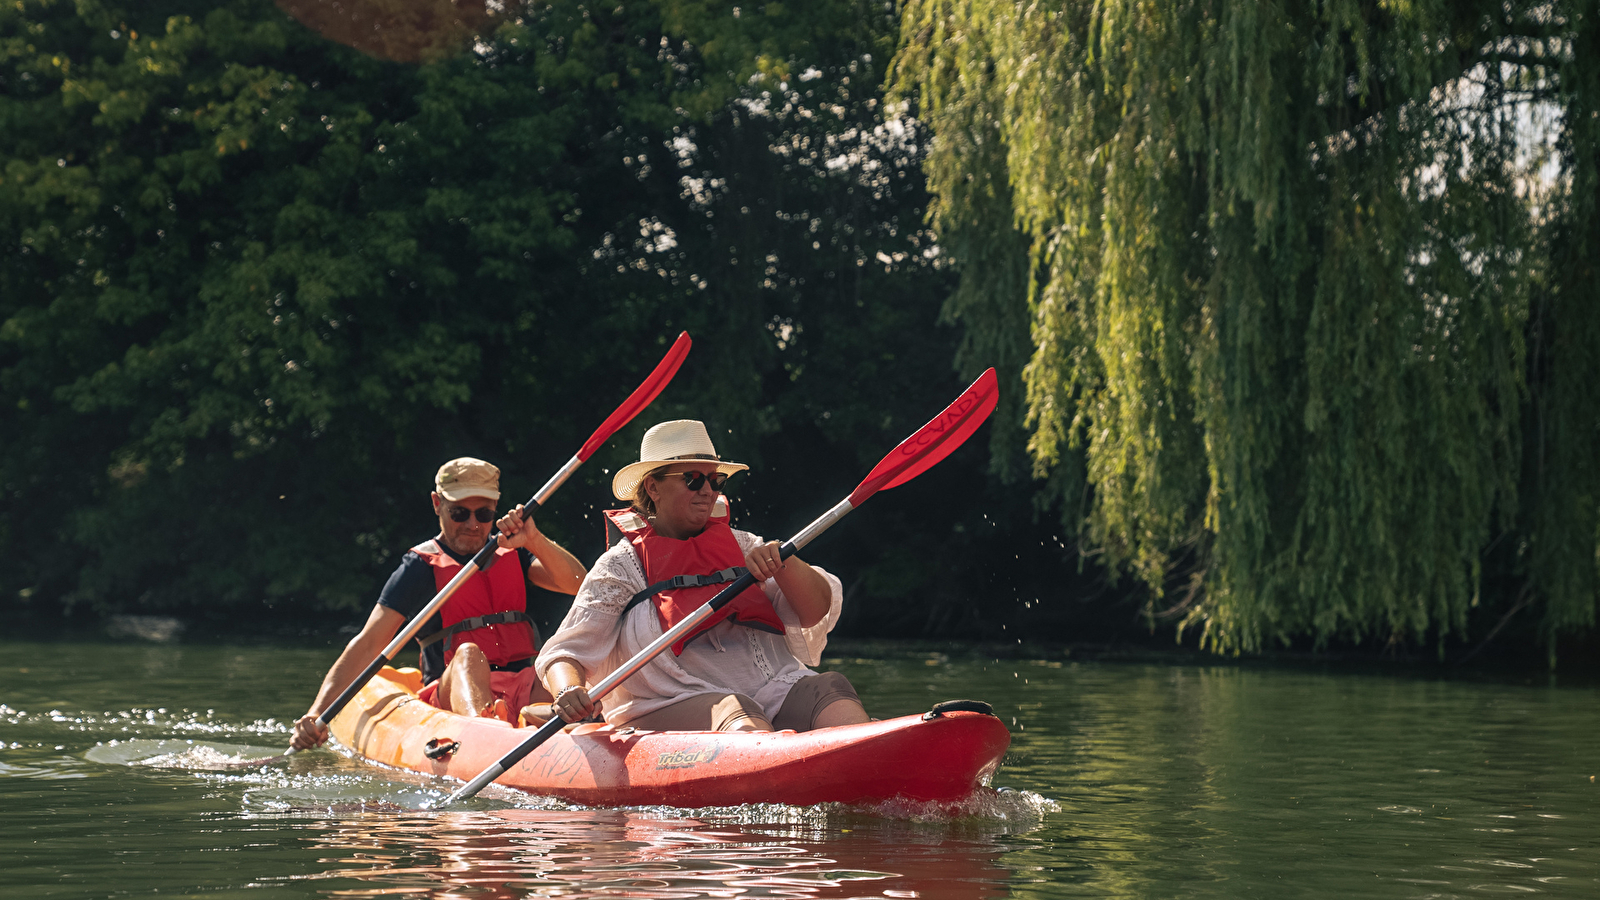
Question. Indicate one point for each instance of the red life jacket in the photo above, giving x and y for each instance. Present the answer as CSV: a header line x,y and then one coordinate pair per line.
x,y
490,609
711,551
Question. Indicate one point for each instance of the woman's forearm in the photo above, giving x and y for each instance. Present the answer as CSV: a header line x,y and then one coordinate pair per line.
x,y
807,589
563,673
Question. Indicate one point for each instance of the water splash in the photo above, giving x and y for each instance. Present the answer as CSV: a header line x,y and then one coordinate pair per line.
x,y
1000,805
1004,809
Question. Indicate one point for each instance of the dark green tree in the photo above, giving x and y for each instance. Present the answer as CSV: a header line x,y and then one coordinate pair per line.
x,y
255,285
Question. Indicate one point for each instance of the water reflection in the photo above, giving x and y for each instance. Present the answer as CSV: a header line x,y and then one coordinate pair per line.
x,y
1172,781
516,853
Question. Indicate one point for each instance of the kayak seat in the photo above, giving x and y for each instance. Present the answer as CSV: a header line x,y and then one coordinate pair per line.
x,y
406,677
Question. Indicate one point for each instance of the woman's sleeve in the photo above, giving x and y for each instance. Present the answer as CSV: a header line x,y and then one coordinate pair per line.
x,y
806,644
590,630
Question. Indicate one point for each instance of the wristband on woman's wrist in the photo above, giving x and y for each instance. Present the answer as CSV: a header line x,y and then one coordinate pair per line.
x,y
561,693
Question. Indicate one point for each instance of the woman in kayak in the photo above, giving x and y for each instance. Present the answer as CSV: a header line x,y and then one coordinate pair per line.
x,y
745,669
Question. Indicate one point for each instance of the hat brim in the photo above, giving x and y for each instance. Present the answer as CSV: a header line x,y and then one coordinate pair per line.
x,y
464,493
628,477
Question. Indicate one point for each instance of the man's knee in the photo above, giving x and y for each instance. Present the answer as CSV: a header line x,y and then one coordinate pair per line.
x,y
470,658
467,674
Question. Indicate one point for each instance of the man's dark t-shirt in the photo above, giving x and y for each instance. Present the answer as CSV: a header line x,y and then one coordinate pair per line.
x,y
411,587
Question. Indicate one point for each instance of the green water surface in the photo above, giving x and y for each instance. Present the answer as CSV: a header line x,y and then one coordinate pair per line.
x,y
1125,780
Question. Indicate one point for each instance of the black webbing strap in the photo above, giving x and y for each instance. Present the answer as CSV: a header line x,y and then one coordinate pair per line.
x,y
476,622
683,581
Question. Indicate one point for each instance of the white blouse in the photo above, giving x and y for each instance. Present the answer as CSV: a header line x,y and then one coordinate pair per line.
x,y
727,659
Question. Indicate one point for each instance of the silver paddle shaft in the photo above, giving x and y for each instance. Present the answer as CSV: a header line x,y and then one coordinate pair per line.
x,y
556,480
708,609
641,659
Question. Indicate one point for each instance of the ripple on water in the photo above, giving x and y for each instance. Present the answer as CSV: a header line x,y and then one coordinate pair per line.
x,y
173,753
759,850
52,770
140,722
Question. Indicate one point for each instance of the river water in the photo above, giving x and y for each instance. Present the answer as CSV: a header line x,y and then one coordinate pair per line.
x,y
1124,780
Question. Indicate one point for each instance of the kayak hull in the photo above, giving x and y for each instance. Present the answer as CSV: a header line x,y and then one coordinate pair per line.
x,y
934,758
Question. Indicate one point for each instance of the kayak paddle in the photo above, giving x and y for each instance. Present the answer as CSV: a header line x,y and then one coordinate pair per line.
x,y
630,407
915,455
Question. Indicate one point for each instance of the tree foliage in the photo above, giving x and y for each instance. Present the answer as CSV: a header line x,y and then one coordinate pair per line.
x,y
255,285
1306,293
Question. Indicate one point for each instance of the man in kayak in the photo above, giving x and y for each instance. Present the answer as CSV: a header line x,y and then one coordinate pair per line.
x,y
477,651
746,669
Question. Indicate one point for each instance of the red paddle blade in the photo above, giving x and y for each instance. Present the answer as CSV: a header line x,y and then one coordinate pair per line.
x,y
934,441
641,396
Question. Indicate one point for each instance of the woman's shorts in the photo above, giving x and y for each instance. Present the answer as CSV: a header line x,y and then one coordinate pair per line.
x,y
701,712
809,697
720,712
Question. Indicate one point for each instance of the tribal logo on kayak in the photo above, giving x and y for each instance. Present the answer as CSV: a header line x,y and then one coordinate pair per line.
x,y
689,756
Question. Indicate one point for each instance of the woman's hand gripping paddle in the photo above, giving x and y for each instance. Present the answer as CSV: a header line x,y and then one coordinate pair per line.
x,y
915,455
630,407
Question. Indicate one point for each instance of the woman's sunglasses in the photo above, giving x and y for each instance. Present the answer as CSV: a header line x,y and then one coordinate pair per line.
x,y
461,514
695,480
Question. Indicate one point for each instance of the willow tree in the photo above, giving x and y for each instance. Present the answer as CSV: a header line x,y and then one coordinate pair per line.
x,y
1304,291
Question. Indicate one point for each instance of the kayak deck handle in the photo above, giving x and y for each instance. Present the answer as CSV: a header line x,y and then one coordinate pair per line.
x,y
440,748
939,709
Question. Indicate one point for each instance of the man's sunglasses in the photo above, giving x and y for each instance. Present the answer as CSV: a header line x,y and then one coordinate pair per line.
x,y
461,513
694,480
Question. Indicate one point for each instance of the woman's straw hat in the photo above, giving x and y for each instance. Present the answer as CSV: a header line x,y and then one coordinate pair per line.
x,y
681,440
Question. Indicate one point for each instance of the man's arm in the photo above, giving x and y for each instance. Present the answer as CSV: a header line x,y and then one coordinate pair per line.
x,y
553,568
381,627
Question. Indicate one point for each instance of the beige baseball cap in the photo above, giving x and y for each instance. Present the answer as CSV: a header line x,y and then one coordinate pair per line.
x,y
467,477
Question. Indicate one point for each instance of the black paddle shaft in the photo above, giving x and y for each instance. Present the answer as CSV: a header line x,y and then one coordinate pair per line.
x,y
636,402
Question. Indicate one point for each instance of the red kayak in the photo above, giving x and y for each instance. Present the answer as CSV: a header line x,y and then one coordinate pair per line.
x,y
941,756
